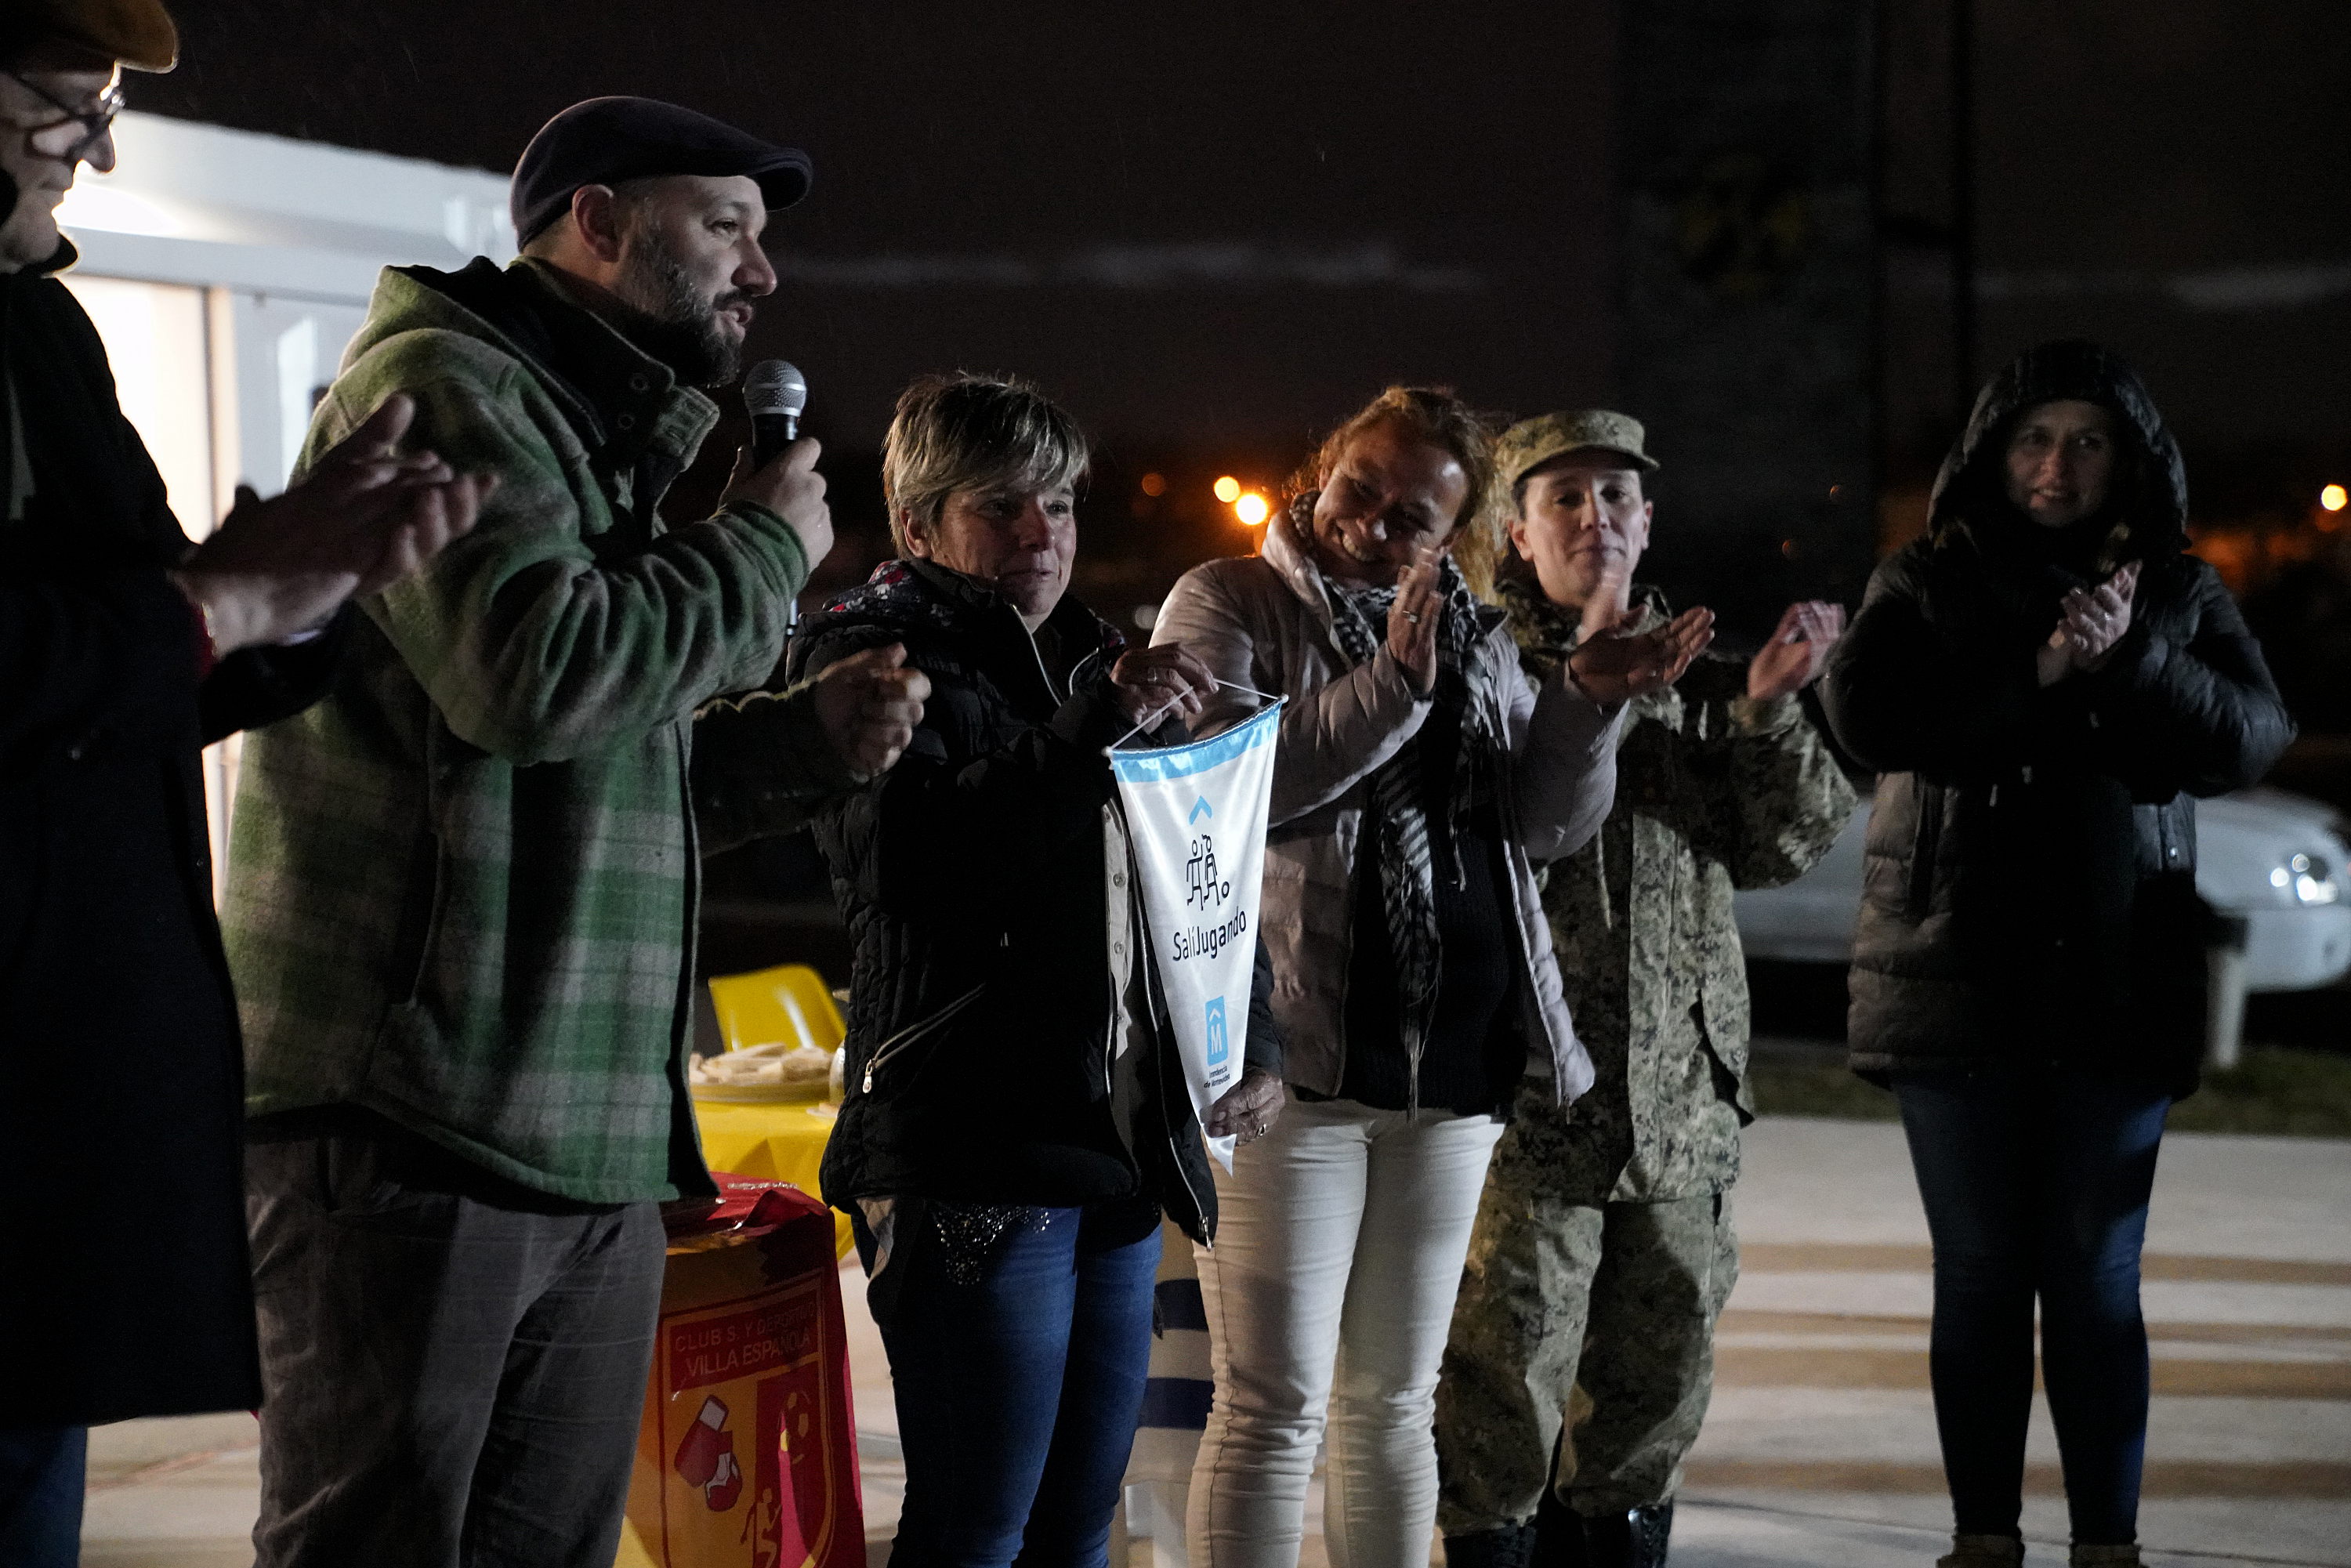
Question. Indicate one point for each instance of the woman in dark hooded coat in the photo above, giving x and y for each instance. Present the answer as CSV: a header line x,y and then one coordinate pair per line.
x,y
2043,682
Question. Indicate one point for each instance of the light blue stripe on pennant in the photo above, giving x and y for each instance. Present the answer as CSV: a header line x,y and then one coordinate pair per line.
x,y
1199,755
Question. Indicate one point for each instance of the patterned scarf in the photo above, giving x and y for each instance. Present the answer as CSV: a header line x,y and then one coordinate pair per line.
x,y
1399,814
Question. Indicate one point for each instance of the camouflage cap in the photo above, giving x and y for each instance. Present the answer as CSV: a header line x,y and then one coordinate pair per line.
x,y
138,33
1531,443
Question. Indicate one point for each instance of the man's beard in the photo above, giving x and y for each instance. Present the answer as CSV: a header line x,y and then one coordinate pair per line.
x,y
671,321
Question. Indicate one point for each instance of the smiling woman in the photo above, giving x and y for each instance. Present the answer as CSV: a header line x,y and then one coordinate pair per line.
x,y
2042,682
1009,1142
1419,778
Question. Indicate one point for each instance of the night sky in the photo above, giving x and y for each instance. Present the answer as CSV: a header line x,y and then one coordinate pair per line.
x,y
1212,229
1215,224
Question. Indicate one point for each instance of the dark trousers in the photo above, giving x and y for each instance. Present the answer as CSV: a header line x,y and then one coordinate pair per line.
x,y
454,1365
1019,1370
41,1472
2035,1184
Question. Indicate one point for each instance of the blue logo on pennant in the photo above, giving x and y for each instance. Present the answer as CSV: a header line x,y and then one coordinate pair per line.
x,y
1220,1044
1200,808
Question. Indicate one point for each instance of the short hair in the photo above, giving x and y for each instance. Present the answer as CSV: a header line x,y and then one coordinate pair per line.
x,y
1485,554
630,200
1433,415
966,431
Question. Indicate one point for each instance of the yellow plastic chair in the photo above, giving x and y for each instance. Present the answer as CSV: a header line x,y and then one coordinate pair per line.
x,y
790,1004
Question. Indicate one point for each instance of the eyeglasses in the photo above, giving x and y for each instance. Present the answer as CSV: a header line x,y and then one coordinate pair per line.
x,y
96,120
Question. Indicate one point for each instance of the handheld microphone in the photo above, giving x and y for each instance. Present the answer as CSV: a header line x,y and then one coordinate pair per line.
x,y
774,395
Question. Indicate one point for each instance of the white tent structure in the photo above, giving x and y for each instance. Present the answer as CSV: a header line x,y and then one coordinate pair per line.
x,y
227,270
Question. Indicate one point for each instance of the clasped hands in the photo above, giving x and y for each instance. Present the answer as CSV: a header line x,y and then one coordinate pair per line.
x,y
2090,621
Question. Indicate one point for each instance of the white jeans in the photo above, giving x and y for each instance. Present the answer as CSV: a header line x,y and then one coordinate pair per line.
x,y
1340,1240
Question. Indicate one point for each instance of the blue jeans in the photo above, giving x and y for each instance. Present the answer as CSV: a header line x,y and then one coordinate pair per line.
x,y
2035,1182
40,1495
1019,1370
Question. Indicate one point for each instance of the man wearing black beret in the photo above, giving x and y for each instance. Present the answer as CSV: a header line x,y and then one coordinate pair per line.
x,y
462,898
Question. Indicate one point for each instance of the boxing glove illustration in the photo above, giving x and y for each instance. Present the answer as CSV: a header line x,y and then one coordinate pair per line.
x,y
698,1451
725,1481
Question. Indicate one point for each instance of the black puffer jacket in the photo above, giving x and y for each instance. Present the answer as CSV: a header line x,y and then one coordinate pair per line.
x,y
2029,886
986,884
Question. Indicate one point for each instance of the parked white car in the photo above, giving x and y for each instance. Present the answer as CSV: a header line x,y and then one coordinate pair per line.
x,y
2278,860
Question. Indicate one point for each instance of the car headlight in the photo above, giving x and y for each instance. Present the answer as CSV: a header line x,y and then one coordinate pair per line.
x,y
2310,878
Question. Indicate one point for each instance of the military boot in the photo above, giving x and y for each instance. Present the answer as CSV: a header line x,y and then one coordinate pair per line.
x,y
1984,1552
1633,1539
1511,1546
2105,1556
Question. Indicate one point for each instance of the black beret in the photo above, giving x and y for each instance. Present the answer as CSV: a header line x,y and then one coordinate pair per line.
x,y
604,141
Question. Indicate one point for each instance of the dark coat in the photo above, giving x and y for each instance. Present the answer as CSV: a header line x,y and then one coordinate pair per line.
x,y
126,1290
2030,887
973,877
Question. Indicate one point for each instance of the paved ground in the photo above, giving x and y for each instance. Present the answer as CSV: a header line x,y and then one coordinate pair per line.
x,y
1820,1452
1820,1449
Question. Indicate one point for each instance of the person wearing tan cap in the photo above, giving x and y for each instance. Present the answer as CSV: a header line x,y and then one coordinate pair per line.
x,y
123,649
1604,1248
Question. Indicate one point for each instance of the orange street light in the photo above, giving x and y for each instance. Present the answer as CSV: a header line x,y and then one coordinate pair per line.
x,y
2334,498
1228,489
1252,508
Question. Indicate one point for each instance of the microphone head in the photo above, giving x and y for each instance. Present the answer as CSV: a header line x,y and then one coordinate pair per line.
x,y
773,387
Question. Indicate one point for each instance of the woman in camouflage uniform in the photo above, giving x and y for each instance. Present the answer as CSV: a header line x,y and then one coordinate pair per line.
x,y
1605,1225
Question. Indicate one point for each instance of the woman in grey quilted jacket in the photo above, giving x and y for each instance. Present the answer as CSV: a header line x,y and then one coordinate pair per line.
x,y
1420,778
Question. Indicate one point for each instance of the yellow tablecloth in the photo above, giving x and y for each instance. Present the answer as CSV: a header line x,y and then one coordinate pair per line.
x,y
778,1142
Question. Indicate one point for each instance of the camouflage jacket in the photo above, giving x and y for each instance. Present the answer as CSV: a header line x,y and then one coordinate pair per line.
x,y
1714,791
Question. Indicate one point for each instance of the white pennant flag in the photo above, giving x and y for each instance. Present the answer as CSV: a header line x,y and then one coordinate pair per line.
x,y
1196,817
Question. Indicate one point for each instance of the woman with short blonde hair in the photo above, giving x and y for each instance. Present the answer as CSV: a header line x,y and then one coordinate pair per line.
x,y
1015,1125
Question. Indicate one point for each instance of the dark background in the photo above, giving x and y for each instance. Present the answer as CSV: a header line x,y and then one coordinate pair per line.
x,y
1214,229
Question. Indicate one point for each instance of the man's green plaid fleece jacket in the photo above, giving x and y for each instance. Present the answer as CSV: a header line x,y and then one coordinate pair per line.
x,y
462,889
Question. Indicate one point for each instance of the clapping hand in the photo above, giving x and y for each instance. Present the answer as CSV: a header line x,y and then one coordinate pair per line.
x,y
364,517
1614,664
1414,617
1798,650
2091,621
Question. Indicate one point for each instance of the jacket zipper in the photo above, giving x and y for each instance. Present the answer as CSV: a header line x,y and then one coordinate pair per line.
x,y
1142,954
913,1031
